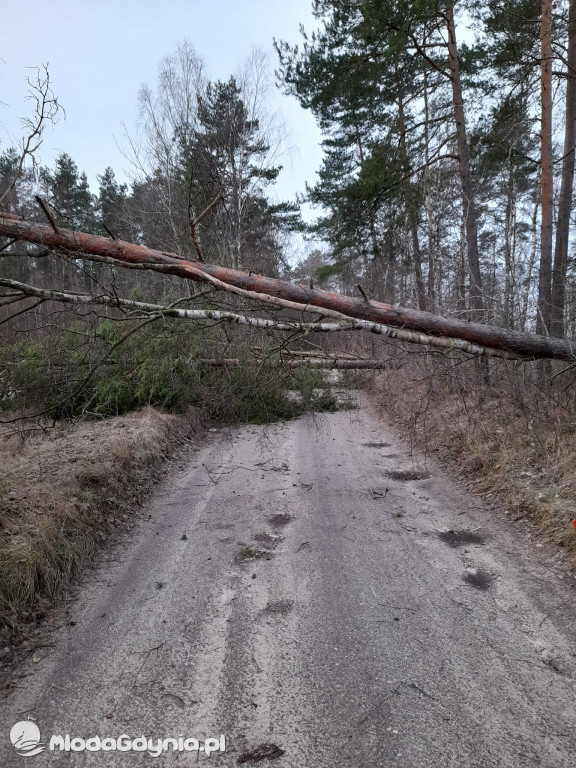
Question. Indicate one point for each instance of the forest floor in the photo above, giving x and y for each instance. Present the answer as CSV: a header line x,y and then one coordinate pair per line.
x,y
321,595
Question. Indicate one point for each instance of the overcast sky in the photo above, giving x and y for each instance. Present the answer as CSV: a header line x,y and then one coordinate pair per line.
x,y
101,51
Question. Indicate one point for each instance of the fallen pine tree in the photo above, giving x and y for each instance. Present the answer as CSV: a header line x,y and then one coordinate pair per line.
x,y
395,322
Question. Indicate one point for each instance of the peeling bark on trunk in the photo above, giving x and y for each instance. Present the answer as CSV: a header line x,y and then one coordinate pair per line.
x,y
380,288
83,245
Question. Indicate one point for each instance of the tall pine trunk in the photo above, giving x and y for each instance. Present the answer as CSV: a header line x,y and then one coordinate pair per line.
x,y
412,213
377,256
509,249
547,187
428,192
557,326
469,207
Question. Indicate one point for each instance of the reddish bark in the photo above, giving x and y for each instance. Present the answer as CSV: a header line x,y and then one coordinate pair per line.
x,y
565,198
545,273
83,245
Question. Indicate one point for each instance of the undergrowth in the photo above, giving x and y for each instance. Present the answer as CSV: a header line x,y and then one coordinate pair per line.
x,y
91,370
512,435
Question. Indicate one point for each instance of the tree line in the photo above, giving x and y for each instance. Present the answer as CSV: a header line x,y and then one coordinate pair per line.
x,y
205,154
445,182
449,132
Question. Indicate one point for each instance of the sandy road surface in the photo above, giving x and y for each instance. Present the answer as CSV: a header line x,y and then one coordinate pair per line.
x,y
359,636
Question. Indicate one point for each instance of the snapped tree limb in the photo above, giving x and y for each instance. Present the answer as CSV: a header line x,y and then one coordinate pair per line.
x,y
398,319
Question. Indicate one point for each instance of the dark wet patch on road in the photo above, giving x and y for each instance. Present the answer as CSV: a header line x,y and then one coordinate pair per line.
x,y
280,520
178,700
479,578
460,538
266,540
408,474
280,606
261,752
376,445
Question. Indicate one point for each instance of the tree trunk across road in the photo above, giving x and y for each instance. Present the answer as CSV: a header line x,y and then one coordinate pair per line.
x,y
84,245
307,587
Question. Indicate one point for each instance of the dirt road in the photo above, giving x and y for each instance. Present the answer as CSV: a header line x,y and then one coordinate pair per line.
x,y
307,587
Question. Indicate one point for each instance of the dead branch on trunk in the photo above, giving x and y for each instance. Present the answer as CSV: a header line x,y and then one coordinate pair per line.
x,y
400,323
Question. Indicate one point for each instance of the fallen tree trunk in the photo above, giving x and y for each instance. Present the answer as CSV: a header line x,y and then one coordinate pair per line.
x,y
334,363
306,353
328,363
84,245
215,315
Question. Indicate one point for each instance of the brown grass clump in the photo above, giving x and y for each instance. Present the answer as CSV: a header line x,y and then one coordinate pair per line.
x,y
512,436
61,493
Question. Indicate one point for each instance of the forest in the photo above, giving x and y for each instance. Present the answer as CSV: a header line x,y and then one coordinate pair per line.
x,y
447,161
443,210
290,477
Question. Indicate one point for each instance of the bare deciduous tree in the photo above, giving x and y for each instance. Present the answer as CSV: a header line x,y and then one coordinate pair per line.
x,y
46,110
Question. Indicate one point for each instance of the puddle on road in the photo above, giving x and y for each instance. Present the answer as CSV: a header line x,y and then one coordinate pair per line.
x,y
460,538
479,578
408,474
280,520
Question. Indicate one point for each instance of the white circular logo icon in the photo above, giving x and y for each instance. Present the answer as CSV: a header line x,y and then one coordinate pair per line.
x,y
25,738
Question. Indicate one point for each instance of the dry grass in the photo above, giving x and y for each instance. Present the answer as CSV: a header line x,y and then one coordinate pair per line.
x,y
513,439
63,491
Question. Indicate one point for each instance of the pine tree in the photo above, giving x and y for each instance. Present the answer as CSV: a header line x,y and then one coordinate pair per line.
x,y
68,192
9,160
384,56
227,156
112,199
